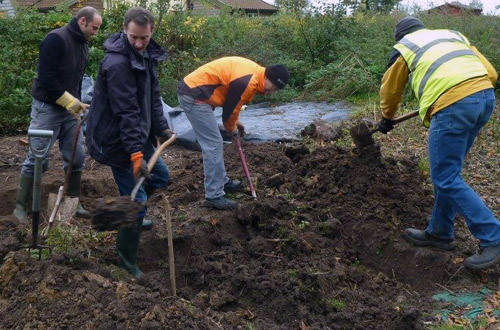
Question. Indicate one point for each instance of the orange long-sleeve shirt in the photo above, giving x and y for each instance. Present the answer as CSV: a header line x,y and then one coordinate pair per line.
x,y
229,82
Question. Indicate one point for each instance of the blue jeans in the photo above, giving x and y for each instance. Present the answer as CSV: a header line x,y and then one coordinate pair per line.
x,y
451,135
125,180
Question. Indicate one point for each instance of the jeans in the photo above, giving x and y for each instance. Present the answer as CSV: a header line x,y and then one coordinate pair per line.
x,y
207,133
51,117
125,180
451,135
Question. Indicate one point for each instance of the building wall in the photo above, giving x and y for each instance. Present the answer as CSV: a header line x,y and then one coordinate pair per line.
x,y
97,4
204,8
6,9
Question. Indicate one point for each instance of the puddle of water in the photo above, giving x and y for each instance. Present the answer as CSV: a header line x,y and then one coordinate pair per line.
x,y
265,123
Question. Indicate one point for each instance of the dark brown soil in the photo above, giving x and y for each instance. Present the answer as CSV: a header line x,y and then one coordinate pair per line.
x,y
321,248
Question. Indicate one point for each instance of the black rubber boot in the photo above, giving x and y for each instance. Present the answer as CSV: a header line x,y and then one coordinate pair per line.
x,y
220,203
127,244
23,196
486,258
422,238
74,191
233,186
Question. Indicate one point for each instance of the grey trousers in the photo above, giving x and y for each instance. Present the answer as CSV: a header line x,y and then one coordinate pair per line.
x,y
207,133
49,117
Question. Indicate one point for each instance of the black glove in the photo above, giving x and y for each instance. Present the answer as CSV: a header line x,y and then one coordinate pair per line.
x,y
165,135
385,125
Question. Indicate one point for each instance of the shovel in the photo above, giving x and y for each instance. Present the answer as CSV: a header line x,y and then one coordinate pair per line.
x,y
69,205
39,156
245,167
362,134
111,213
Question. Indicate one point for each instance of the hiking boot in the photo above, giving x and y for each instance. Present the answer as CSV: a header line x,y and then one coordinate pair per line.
x,y
233,186
422,238
147,224
220,203
486,258
24,193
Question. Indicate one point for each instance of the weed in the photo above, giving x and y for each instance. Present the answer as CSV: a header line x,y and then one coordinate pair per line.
x,y
288,196
249,325
35,254
303,224
336,303
293,273
423,166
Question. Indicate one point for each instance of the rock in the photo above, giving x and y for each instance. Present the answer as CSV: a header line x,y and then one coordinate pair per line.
x,y
322,131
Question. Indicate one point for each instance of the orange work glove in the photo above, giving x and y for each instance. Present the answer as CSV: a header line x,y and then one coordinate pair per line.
x,y
139,165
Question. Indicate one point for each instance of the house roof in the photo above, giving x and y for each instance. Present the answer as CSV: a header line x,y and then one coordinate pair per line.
x,y
459,5
249,4
44,4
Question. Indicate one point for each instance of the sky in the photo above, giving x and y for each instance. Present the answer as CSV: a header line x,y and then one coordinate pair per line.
x,y
488,5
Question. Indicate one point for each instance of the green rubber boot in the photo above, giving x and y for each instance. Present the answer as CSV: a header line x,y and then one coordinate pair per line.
x,y
127,244
24,193
74,191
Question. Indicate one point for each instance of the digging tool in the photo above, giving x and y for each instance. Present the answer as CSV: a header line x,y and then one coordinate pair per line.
x,y
110,213
39,156
67,205
362,134
245,167
171,262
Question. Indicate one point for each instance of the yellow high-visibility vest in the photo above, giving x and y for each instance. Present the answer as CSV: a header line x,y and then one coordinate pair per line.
x,y
437,61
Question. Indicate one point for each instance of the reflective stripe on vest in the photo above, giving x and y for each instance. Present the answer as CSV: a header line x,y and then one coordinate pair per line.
x,y
437,60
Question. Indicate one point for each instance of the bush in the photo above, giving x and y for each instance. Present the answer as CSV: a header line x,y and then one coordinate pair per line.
x,y
329,55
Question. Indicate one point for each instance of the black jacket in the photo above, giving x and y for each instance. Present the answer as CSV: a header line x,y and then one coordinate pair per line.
x,y
62,60
115,127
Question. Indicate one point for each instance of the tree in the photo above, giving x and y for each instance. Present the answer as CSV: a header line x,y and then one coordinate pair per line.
x,y
292,5
384,6
475,4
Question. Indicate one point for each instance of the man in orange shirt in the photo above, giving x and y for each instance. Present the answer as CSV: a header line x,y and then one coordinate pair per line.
x,y
229,82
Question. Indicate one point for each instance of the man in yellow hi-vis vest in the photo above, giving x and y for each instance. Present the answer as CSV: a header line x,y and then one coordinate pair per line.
x,y
453,83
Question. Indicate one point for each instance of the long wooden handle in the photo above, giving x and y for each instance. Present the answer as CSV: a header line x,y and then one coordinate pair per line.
x,y
157,153
406,117
151,164
171,261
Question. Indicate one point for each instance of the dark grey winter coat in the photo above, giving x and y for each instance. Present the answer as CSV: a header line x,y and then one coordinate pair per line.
x,y
115,127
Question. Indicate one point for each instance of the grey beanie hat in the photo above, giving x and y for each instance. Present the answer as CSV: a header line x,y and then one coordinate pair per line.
x,y
407,25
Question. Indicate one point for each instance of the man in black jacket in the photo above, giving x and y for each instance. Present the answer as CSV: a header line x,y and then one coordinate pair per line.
x,y
125,117
56,105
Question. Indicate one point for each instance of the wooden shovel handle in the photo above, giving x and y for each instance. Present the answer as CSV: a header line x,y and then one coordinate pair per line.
x,y
157,153
405,117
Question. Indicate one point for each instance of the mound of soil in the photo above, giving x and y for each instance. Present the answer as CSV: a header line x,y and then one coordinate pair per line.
x,y
321,248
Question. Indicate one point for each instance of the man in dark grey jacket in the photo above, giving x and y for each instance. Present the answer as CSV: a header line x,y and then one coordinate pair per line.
x,y
56,105
125,117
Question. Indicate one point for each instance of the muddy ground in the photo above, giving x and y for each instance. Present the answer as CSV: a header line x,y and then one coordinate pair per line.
x,y
321,248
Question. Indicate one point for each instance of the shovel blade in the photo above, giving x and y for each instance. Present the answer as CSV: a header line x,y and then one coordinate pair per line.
x,y
361,134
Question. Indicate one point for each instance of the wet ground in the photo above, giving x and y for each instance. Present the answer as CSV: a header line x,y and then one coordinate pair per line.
x,y
321,248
